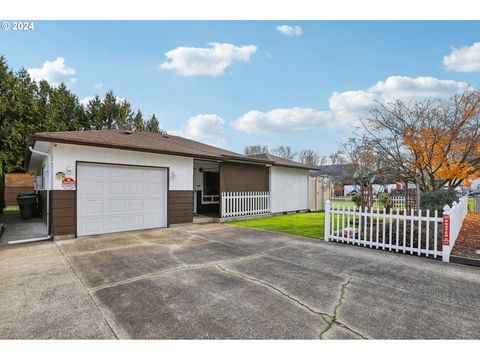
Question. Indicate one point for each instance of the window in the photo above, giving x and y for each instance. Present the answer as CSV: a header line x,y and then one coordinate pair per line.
x,y
211,183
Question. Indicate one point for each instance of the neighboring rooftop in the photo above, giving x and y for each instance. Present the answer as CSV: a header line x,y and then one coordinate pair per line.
x,y
337,172
281,161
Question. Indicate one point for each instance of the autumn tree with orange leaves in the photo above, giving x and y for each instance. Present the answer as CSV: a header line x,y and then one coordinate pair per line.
x,y
431,142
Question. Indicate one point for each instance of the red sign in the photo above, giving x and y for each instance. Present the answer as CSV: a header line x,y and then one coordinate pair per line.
x,y
68,183
446,230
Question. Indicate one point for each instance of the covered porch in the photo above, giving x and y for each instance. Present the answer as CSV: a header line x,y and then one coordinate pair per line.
x,y
227,189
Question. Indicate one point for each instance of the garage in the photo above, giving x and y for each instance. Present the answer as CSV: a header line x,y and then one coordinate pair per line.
x,y
113,198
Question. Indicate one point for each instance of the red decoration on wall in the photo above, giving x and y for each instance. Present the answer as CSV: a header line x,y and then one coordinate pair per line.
x,y
68,183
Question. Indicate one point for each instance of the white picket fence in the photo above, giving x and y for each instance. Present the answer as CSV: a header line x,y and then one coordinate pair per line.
x,y
453,218
245,203
414,232
397,201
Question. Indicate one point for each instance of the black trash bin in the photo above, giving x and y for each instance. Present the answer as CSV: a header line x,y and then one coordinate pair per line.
x,y
27,204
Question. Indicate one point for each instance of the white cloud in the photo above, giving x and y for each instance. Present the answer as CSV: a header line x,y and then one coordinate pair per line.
x,y
346,108
282,120
54,72
189,61
287,30
423,86
98,85
465,59
86,100
207,128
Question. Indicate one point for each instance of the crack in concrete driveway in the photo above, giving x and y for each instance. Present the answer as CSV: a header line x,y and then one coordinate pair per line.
x,y
329,319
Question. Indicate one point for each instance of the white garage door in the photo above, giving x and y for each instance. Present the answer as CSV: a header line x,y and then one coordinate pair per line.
x,y
113,198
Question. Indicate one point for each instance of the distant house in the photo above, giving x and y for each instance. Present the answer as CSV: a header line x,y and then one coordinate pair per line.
x,y
340,175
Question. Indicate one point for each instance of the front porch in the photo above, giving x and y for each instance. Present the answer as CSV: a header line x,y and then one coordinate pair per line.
x,y
226,191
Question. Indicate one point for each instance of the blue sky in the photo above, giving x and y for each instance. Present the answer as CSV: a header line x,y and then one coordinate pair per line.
x,y
304,88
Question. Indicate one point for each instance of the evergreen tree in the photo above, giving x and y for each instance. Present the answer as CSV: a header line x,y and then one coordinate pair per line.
x,y
138,122
93,114
152,125
109,111
27,107
65,110
125,116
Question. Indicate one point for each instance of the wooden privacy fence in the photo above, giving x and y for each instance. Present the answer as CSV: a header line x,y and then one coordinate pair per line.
x,y
418,232
245,203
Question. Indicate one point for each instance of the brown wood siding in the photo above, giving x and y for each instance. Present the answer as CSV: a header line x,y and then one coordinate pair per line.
x,y
180,206
243,177
42,204
11,193
63,219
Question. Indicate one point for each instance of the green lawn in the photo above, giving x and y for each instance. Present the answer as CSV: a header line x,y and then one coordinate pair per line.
x,y
344,203
11,209
306,224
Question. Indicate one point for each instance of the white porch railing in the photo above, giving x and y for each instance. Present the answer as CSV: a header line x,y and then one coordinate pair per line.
x,y
245,203
414,232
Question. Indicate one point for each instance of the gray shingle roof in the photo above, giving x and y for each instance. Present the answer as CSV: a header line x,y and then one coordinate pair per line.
x,y
337,172
281,161
141,141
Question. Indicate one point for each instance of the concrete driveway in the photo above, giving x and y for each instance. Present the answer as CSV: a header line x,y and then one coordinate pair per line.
x,y
220,281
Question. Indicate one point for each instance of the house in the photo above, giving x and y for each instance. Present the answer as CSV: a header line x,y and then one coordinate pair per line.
x,y
105,181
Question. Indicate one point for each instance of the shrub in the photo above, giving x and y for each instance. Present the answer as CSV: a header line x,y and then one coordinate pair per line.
x,y
357,199
384,200
437,199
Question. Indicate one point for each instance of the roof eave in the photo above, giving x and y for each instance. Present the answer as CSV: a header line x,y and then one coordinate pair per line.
x,y
32,139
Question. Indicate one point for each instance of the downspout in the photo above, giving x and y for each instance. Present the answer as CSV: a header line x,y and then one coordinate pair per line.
x,y
50,164
50,178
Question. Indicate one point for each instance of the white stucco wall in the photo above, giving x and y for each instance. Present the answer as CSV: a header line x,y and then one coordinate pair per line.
x,y
198,176
66,155
288,189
